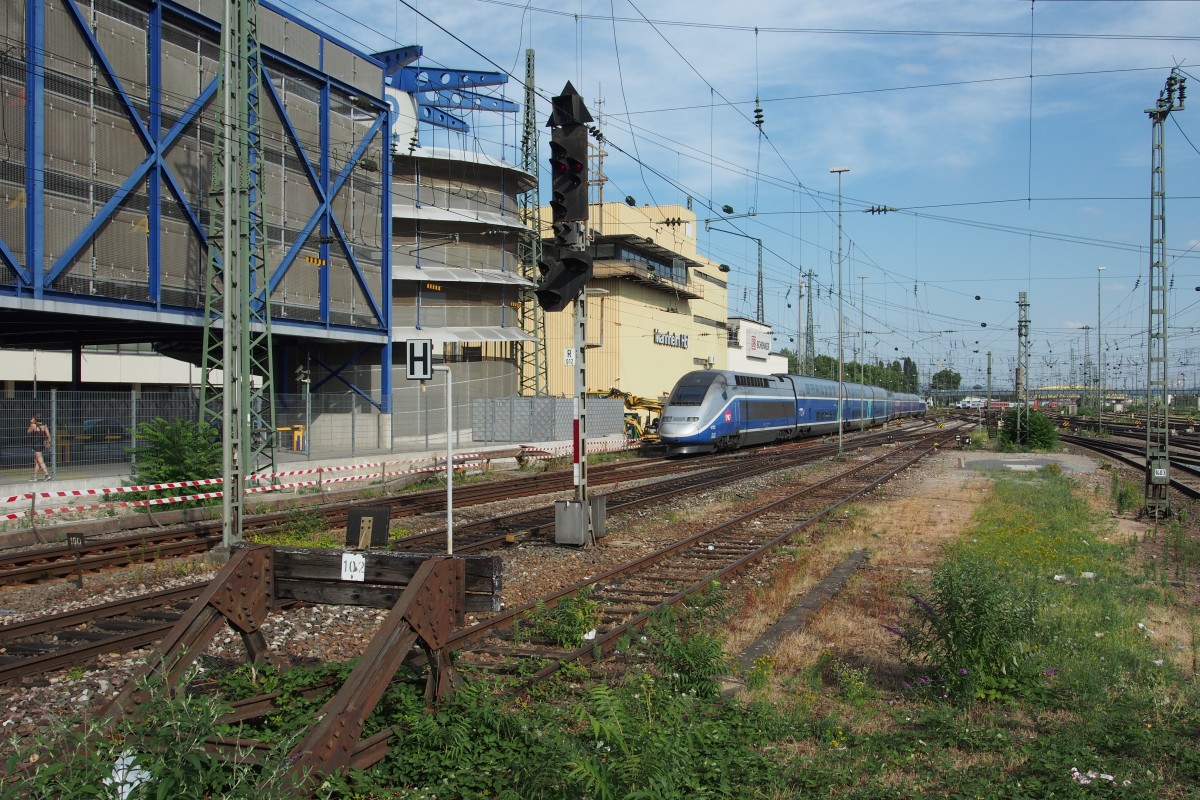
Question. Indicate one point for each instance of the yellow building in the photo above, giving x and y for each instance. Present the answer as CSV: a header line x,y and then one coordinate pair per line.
x,y
662,312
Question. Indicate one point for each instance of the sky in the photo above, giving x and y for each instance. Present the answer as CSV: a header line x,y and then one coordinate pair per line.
x,y
1010,139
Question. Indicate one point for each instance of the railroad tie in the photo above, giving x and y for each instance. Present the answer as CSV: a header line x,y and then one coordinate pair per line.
x,y
802,612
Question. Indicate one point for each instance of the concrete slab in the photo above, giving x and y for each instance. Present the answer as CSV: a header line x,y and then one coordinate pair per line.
x,y
1026,462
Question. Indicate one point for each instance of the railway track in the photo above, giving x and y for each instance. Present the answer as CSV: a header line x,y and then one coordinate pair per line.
x,y
75,637
1134,456
55,641
497,531
631,594
64,560
95,553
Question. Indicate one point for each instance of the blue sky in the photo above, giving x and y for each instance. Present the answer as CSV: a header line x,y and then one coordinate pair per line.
x,y
1002,182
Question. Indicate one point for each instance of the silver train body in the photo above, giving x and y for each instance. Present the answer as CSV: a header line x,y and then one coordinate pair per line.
x,y
710,410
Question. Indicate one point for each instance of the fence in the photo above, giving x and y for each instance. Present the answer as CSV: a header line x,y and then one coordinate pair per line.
x,y
92,432
542,419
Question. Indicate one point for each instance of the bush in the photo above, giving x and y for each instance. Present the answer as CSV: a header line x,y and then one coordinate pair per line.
x,y
176,450
973,631
1036,431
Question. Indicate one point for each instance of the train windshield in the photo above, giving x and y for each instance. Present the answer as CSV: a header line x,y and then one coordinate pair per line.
x,y
692,388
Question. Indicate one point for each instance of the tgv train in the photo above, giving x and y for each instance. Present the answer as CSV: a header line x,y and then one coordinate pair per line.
x,y
711,410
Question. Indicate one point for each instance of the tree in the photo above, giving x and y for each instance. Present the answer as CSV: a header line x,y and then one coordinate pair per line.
x,y
825,367
945,379
911,377
793,360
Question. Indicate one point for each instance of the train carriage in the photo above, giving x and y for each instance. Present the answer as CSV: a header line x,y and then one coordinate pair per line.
x,y
710,410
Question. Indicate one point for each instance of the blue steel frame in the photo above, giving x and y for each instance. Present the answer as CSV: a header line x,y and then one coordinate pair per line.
x,y
32,279
435,89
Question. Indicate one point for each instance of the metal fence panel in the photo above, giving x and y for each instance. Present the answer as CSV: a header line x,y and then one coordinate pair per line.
x,y
92,432
541,419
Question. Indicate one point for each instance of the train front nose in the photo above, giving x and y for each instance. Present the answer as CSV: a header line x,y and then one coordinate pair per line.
x,y
678,425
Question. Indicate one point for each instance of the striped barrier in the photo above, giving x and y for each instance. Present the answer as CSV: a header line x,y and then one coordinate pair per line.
x,y
529,453
320,481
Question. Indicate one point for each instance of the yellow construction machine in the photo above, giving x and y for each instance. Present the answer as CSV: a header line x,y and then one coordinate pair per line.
x,y
641,415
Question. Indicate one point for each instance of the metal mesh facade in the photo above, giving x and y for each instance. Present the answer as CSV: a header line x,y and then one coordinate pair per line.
x,y
123,84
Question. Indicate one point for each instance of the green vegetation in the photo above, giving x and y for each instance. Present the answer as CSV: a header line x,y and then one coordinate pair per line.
x,y
1028,668
305,527
176,450
1125,496
900,375
168,761
567,625
1035,432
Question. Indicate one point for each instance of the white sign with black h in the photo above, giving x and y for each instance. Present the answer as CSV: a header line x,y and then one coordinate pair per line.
x,y
419,360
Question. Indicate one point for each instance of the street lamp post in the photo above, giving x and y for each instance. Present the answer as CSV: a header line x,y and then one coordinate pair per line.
x,y
841,346
1099,355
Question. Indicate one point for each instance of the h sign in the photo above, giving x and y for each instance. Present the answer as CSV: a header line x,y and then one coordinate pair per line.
x,y
420,359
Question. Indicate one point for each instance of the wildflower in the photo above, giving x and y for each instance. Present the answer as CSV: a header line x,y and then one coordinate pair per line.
x,y
923,604
896,631
962,672
923,680
1050,672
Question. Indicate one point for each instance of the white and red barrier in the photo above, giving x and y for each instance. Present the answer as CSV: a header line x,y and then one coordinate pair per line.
x,y
379,470
530,453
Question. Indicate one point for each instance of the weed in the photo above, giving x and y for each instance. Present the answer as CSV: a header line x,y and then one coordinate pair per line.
x,y
853,683
688,659
162,754
971,631
760,672
1125,496
569,623
305,527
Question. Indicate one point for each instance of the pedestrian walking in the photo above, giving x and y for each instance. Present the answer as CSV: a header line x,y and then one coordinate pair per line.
x,y
39,440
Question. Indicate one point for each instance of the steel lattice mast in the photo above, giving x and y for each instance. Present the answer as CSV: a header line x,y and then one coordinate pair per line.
x,y
1022,381
237,327
809,364
1158,465
535,378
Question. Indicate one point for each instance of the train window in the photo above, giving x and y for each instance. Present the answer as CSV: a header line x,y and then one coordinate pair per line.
x,y
692,387
771,410
688,395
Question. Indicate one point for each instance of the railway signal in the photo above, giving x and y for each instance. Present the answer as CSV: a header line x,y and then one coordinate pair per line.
x,y
566,271
564,279
567,268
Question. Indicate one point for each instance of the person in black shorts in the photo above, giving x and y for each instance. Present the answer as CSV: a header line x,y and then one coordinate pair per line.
x,y
39,440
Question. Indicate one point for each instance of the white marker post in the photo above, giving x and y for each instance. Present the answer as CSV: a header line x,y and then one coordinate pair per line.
x,y
419,367
449,461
